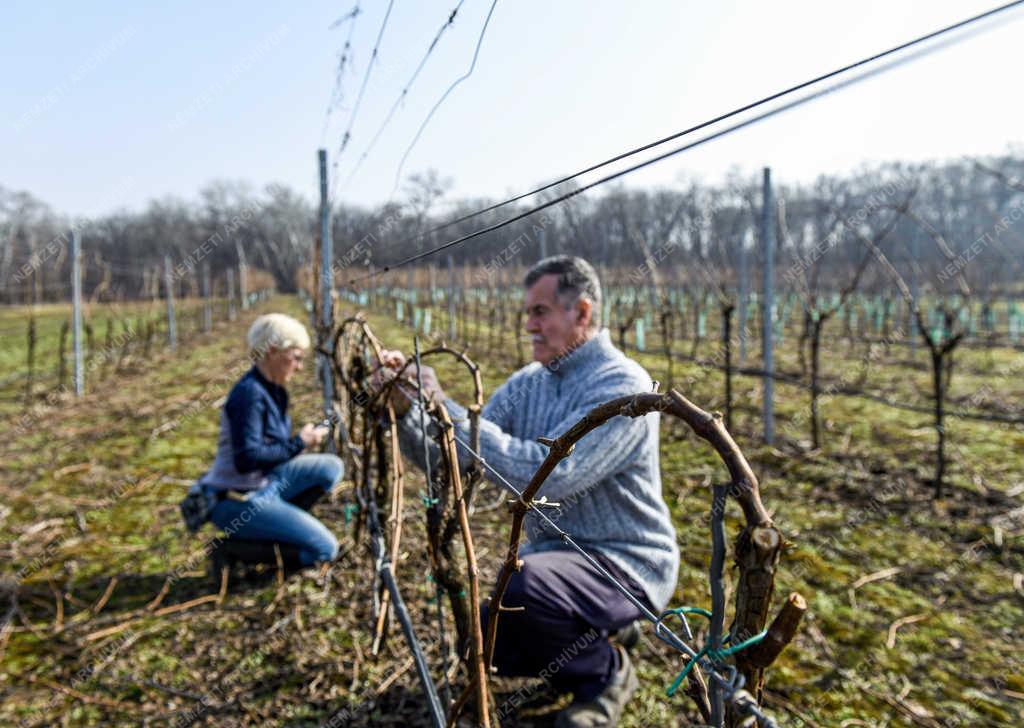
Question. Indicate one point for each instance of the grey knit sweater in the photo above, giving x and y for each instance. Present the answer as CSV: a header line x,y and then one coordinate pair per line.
x,y
608,489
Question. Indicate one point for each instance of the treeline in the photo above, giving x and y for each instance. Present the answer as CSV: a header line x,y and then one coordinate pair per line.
x,y
681,234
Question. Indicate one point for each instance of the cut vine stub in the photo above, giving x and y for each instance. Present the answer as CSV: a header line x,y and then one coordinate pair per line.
x,y
780,633
757,557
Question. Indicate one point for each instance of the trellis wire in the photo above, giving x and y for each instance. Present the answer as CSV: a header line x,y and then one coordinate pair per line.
x,y
751,121
721,117
405,92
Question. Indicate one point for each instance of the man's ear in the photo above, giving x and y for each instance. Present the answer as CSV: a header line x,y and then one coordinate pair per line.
x,y
584,313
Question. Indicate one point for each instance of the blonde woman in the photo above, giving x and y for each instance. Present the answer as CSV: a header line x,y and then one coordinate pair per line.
x,y
263,483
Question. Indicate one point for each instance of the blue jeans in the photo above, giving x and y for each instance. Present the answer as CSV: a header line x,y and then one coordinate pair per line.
x,y
269,514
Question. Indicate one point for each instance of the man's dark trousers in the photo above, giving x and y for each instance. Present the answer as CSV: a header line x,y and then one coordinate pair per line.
x,y
562,633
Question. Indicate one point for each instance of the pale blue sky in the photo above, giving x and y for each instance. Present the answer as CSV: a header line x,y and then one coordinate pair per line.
x,y
171,96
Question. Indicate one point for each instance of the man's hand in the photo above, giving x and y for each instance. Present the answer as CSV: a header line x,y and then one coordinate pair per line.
x,y
312,435
393,362
392,359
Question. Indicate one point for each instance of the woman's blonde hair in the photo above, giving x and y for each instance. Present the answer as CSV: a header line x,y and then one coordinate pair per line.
x,y
276,330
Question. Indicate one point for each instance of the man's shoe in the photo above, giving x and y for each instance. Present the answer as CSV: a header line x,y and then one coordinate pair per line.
x,y
604,710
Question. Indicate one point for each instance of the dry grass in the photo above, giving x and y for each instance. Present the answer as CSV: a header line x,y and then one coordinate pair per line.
x,y
90,493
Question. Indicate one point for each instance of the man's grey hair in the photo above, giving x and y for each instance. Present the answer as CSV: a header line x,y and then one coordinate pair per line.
x,y
576,279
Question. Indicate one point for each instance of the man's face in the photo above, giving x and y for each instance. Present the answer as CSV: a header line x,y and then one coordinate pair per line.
x,y
553,328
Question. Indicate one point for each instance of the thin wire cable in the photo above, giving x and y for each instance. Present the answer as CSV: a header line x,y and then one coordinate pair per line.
x,y
665,634
722,117
405,91
460,79
350,15
673,152
335,97
362,90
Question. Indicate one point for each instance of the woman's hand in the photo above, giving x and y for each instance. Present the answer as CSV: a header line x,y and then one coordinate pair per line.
x,y
312,435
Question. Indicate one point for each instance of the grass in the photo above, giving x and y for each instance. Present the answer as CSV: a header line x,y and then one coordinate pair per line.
x,y
91,488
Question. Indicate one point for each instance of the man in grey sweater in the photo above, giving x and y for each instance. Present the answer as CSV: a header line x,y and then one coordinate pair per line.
x,y
608,495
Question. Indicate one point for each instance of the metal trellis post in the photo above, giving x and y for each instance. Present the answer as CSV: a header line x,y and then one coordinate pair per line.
x,y
326,288
768,302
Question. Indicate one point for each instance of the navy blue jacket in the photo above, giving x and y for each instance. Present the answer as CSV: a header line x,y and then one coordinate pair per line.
x,y
257,413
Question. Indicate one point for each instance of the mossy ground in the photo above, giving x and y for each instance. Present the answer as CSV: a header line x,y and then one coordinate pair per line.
x,y
91,486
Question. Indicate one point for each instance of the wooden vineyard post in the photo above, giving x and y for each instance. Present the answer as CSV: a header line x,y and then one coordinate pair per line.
x,y
62,364
451,299
207,311
172,330
31,354
108,340
76,312
666,338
